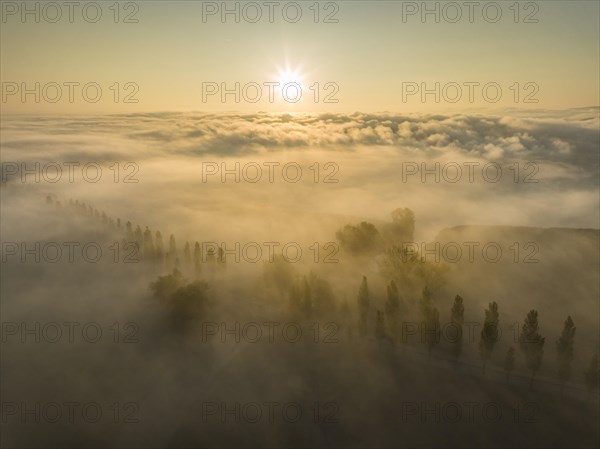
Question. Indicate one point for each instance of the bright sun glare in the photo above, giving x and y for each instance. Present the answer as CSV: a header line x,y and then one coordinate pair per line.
x,y
287,75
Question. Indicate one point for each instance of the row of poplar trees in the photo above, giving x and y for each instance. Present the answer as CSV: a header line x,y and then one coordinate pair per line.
x,y
530,341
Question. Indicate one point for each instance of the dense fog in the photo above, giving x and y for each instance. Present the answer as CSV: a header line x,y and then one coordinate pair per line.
x,y
281,280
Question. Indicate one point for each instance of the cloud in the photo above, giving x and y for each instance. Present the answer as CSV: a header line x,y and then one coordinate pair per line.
x,y
369,150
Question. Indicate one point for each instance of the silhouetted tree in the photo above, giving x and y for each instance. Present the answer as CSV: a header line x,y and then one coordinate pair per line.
x,y
360,239
323,299
129,232
221,257
279,272
430,324
164,286
392,308
159,245
564,352
172,254
139,237
403,225
380,325
532,343
345,316
457,319
509,362
172,245
363,307
489,334
197,259
185,302
410,270
187,254
149,251
295,300
592,374
305,298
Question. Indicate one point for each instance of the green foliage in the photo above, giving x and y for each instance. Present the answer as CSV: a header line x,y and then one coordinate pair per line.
x,y
361,239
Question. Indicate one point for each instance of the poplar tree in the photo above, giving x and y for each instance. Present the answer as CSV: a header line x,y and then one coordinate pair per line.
x,y
564,352
509,362
363,307
489,334
532,343
457,319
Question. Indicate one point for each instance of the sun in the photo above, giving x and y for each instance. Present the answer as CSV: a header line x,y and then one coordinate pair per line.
x,y
289,76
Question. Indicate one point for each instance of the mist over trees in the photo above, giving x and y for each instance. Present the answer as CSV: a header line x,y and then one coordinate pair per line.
x,y
383,323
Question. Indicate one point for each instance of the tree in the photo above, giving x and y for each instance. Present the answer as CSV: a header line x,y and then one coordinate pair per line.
x,y
564,352
197,266
380,326
164,286
457,319
403,225
509,362
295,300
363,307
592,374
311,297
129,232
345,317
489,334
159,245
185,302
360,239
172,246
323,299
148,244
139,237
172,254
410,270
532,343
392,307
189,303
430,325
279,272
221,257
305,298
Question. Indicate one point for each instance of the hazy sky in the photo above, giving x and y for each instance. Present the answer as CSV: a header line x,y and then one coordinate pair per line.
x,y
369,53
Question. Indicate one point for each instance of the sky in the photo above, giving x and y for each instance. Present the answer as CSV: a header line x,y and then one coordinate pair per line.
x,y
360,56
